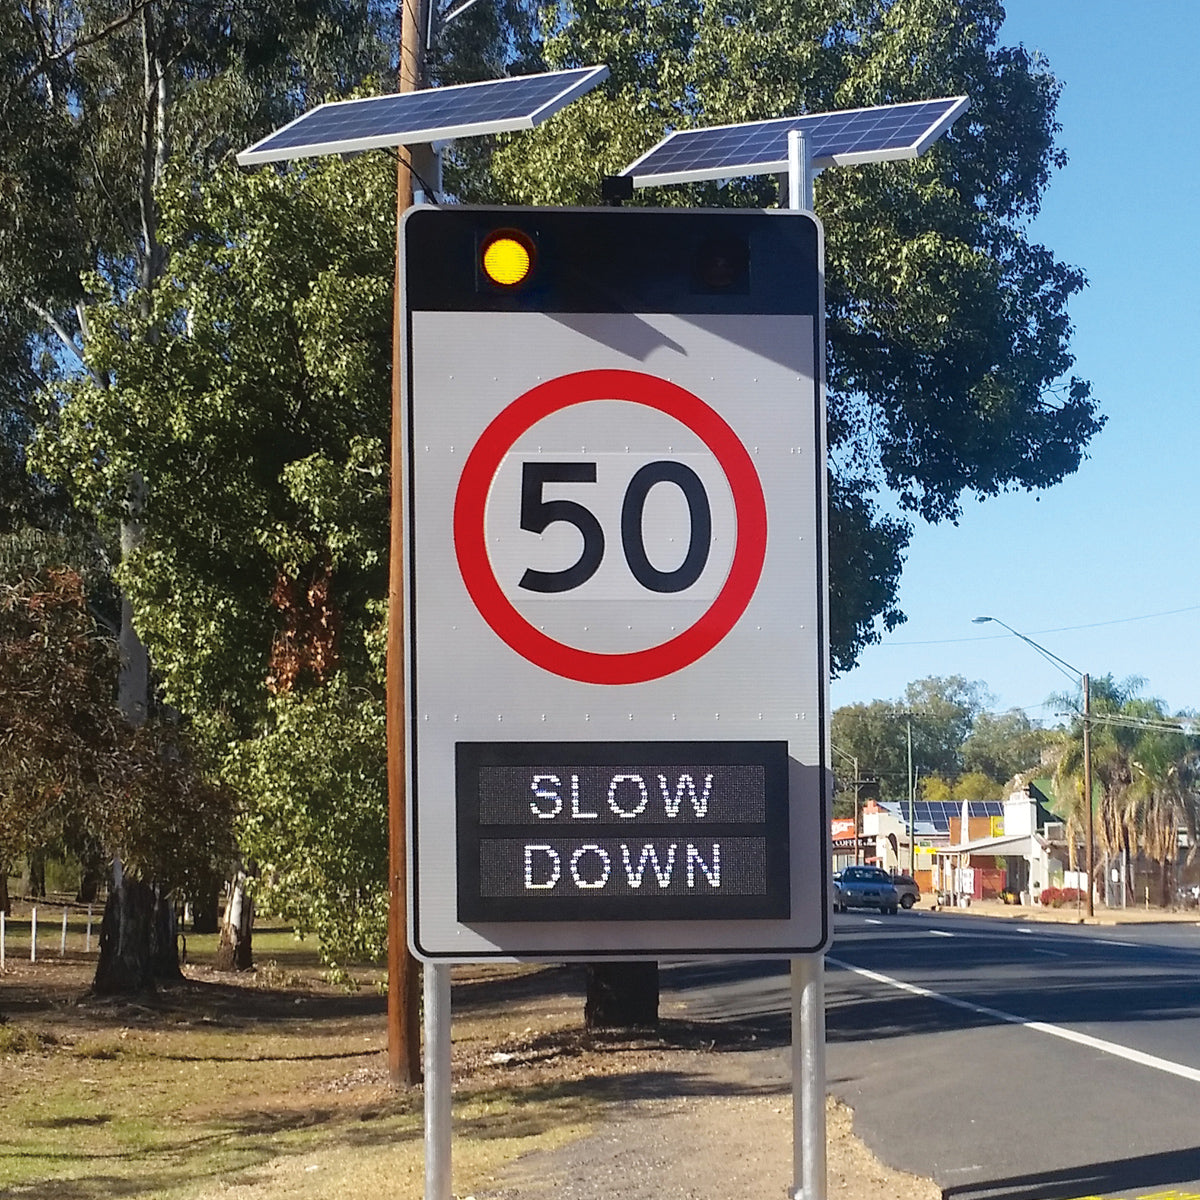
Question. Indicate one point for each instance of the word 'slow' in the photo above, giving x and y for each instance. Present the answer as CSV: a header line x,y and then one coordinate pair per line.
x,y
627,796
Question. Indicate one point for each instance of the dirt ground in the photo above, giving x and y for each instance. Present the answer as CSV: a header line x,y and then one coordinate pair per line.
x,y
541,1107
722,1145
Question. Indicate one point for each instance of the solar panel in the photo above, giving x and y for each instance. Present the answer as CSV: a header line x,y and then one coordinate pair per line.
x,y
432,115
859,135
932,817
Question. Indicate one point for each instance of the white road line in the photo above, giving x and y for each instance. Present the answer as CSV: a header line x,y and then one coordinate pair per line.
x,y
1068,1035
1112,942
871,921
1051,953
942,933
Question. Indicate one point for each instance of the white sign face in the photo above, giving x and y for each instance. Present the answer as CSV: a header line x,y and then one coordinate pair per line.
x,y
617,666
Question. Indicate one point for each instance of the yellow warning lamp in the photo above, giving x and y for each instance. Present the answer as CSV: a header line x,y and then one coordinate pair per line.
x,y
507,257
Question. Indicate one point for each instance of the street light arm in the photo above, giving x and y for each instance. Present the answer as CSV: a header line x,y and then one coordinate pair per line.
x,y
1047,654
850,758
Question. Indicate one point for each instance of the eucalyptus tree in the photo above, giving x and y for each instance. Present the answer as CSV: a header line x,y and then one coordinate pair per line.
x,y
251,388
99,96
928,726
1003,745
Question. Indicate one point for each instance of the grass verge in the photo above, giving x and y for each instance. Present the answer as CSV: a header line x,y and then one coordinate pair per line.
x,y
270,1084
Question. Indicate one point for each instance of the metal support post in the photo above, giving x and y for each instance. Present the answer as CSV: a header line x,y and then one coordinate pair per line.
x,y
808,1077
437,1081
808,971
800,174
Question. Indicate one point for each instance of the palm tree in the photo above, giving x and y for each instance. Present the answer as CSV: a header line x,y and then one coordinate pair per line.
x,y
1168,794
1147,769
1113,744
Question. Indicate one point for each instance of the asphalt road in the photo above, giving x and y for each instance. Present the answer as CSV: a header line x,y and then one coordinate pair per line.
x,y
1007,1061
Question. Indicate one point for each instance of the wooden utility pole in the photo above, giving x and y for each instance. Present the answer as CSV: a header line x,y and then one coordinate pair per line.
x,y
404,1035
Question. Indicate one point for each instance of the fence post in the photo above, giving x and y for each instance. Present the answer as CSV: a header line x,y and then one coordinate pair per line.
x,y
33,934
2,923
62,946
87,946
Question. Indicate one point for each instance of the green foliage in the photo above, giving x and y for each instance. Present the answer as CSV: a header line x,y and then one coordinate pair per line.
x,y
236,343
975,785
937,714
251,390
251,393
315,818
1002,745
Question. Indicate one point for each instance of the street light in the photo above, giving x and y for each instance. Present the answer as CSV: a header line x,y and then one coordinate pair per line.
x,y
1087,744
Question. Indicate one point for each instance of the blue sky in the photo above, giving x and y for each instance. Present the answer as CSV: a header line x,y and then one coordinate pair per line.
x,y
1103,569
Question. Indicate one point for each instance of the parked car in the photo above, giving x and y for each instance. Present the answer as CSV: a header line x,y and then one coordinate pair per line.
x,y
865,887
908,890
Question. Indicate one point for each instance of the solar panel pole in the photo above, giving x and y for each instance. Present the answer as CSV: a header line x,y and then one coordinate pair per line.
x,y
800,171
808,970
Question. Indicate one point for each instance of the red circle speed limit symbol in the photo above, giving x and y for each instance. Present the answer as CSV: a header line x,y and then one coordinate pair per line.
x,y
573,662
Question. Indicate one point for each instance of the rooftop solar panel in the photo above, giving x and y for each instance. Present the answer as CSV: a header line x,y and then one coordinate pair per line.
x,y
842,138
934,816
432,115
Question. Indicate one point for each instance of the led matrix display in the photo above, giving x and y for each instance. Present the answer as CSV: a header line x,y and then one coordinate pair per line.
x,y
622,831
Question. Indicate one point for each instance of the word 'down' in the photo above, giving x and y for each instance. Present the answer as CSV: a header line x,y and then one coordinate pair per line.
x,y
591,867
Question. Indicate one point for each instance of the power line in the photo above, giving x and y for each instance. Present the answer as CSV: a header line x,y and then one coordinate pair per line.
x,y
1174,612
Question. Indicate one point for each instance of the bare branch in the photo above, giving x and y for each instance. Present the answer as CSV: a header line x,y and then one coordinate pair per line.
x,y
49,58
64,334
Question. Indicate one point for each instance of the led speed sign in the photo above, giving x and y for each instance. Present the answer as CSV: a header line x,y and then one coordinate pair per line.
x,y
615,596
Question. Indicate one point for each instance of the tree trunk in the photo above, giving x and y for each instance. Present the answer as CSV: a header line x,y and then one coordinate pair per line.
x,y
124,966
138,944
91,877
621,995
164,940
206,907
235,952
37,874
